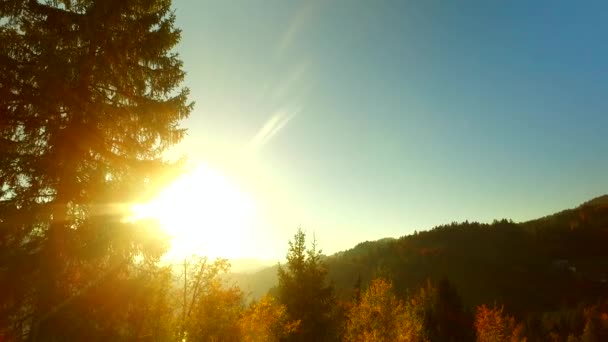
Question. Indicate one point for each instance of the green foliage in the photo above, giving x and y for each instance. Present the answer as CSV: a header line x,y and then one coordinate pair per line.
x,y
303,289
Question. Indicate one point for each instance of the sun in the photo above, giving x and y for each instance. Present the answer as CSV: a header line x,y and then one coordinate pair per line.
x,y
203,213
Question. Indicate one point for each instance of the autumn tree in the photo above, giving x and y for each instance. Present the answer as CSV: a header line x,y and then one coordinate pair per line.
x,y
266,321
89,100
595,326
303,289
493,325
208,308
216,314
380,317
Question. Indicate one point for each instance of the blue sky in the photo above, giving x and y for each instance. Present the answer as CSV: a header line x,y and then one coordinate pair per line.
x,y
365,119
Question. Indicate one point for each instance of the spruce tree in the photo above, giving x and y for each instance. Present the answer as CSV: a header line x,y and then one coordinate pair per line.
x,y
89,100
304,290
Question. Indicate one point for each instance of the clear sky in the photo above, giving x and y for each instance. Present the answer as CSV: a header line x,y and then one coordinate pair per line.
x,y
366,119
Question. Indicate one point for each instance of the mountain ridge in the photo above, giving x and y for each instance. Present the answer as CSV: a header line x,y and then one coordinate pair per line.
x,y
500,261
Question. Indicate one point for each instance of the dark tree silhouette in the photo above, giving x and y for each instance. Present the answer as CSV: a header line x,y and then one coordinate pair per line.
x,y
447,320
89,100
303,289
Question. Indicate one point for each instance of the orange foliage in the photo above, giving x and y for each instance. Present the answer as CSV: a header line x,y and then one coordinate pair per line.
x,y
380,316
493,325
266,320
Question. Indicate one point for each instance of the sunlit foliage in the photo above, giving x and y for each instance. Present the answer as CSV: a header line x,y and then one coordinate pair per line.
x,y
209,308
266,320
89,100
380,316
493,325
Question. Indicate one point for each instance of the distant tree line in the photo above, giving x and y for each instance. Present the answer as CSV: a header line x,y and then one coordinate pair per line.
x,y
90,98
304,307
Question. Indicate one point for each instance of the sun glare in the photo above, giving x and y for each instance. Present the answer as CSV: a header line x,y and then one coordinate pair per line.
x,y
203,212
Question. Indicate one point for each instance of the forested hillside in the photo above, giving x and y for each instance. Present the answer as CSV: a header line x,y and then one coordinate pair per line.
x,y
115,216
545,264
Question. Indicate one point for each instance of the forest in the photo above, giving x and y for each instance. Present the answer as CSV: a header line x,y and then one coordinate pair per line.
x,y
91,97
539,280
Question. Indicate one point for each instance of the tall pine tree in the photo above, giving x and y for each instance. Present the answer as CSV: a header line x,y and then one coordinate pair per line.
x,y
89,100
303,289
